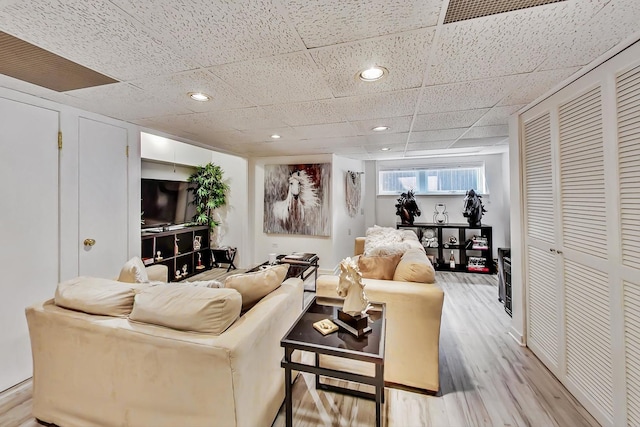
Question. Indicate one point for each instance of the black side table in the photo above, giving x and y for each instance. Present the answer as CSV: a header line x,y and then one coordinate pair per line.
x,y
223,256
370,348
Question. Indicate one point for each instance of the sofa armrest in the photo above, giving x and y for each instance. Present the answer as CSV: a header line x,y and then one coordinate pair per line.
x,y
414,312
359,246
158,273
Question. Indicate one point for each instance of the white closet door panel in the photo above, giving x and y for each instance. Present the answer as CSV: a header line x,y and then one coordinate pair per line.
x,y
28,226
632,350
582,176
538,179
588,332
628,100
103,199
542,295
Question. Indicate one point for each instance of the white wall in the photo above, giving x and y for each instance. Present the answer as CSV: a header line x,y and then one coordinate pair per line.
x,y
496,204
167,158
345,228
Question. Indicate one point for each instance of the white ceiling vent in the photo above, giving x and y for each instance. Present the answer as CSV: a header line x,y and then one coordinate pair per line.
x,y
461,10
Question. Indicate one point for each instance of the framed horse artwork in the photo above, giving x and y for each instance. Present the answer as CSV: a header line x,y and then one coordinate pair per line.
x,y
297,199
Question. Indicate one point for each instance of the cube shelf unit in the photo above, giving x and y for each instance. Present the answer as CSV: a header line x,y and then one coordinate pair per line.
x,y
462,232
176,249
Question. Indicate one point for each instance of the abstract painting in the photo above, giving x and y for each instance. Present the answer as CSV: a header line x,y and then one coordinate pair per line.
x,y
297,199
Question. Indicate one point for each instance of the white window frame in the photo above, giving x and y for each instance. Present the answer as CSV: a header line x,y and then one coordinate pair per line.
x,y
482,185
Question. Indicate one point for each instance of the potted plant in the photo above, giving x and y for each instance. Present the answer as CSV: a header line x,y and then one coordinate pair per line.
x,y
210,193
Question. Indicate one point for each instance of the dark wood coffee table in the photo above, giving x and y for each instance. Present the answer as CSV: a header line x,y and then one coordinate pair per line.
x,y
370,348
301,267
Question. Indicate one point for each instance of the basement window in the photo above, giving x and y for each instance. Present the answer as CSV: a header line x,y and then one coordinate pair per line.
x,y
440,180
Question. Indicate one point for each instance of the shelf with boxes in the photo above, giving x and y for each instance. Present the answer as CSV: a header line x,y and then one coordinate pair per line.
x,y
185,250
456,247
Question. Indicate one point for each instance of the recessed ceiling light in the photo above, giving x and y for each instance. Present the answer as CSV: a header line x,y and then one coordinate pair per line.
x,y
380,128
199,96
275,136
372,74
385,149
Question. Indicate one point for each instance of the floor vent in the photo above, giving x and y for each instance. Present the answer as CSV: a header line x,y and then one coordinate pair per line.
x,y
27,62
461,10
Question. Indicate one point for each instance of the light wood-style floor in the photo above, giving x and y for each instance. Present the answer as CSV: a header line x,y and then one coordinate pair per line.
x,y
486,378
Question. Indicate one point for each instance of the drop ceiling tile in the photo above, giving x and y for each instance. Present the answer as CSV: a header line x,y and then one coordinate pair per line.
x,y
607,28
305,113
536,84
467,95
175,88
244,119
97,35
392,138
478,142
498,115
287,134
486,131
436,135
507,43
392,148
322,23
377,106
433,145
275,80
403,55
196,123
123,101
448,120
214,32
396,125
347,141
332,130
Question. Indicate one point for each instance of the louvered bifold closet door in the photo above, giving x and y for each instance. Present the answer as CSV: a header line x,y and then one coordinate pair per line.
x,y
584,221
628,106
628,100
584,229
542,287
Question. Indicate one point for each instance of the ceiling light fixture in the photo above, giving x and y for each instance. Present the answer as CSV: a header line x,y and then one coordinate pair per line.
x,y
199,96
380,128
372,74
275,136
385,149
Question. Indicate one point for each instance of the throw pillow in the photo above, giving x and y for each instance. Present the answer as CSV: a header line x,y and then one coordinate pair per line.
x,y
133,271
254,286
96,296
378,267
387,250
187,308
381,236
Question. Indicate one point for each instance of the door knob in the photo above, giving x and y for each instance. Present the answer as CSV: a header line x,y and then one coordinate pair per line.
x,y
89,242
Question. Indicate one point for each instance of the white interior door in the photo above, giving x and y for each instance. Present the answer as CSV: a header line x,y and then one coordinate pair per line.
x,y
102,197
28,226
543,295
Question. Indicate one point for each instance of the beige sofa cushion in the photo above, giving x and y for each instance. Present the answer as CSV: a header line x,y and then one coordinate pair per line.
x,y
378,267
133,271
187,308
97,296
414,266
254,286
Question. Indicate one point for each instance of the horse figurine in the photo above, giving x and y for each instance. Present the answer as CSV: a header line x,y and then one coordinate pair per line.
x,y
301,196
473,208
407,207
351,288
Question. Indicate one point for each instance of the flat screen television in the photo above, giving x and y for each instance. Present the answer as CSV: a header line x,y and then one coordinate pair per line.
x,y
166,202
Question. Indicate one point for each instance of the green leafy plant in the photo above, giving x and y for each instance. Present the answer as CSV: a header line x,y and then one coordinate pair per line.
x,y
210,193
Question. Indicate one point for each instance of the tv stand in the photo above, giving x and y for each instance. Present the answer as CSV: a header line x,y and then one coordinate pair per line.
x,y
176,248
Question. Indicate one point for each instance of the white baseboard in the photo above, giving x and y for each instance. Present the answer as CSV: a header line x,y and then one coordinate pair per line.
x,y
517,336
